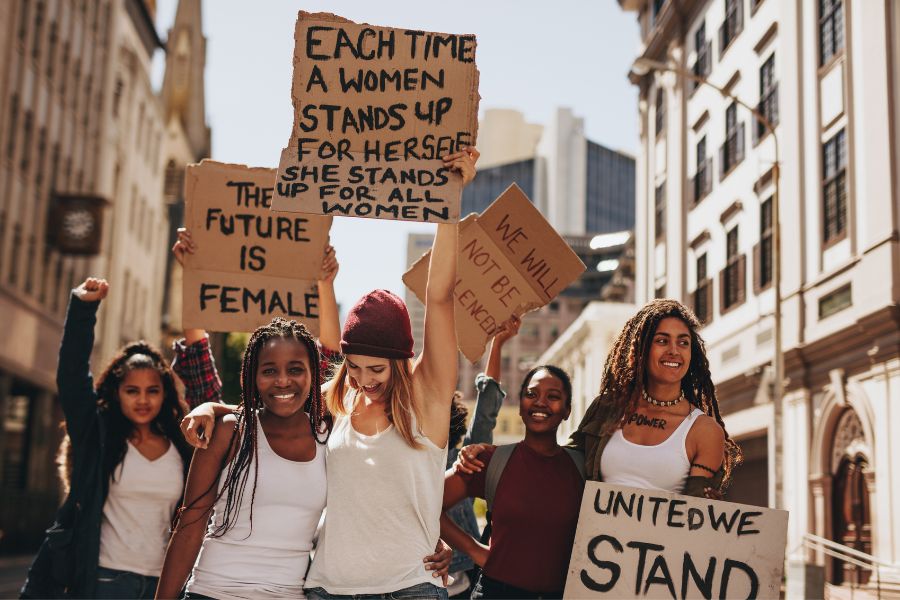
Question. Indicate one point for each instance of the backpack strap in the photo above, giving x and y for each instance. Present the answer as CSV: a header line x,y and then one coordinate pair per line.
x,y
577,458
495,470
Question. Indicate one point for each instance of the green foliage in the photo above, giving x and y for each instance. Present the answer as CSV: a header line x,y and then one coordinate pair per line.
x,y
235,343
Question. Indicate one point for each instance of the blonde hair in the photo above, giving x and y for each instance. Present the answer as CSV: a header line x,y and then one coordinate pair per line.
x,y
401,407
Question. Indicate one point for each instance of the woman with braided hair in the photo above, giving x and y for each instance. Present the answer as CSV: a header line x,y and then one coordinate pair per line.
x,y
123,466
655,423
263,485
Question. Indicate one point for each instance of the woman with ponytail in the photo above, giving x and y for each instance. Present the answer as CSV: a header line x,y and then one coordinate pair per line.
x,y
123,466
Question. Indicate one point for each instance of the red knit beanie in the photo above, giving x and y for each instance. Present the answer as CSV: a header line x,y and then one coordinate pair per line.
x,y
378,325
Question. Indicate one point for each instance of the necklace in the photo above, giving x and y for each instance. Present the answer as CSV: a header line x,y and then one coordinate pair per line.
x,y
663,403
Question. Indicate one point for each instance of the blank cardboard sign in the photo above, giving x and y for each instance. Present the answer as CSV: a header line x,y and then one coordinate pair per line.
x,y
251,263
374,110
634,543
511,261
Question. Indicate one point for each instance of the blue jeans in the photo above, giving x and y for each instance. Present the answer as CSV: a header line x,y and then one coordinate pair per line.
x,y
112,583
421,591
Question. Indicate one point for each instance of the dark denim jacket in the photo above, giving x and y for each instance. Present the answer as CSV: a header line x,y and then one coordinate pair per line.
x,y
481,430
66,563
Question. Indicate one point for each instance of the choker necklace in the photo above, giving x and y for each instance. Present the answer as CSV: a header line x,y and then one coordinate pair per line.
x,y
663,403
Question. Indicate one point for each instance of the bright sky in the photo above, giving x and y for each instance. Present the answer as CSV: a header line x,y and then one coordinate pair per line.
x,y
533,56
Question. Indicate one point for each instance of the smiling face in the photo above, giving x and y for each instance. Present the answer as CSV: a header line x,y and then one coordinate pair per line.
x,y
544,404
670,352
370,374
141,395
283,376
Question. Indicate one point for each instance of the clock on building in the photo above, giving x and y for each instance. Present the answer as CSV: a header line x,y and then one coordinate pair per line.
x,y
75,224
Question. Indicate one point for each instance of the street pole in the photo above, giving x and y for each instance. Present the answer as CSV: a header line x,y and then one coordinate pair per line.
x,y
641,67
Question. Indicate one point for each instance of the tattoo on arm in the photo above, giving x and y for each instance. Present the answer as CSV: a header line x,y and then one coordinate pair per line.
x,y
644,420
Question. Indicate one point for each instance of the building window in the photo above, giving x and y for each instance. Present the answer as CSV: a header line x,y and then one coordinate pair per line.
x,y
768,98
732,25
703,63
27,130
660,210
703,177
732,279
834,188
660,111
763,251
831,29
835,302
16,417
36,35
703,292
51,49
731,153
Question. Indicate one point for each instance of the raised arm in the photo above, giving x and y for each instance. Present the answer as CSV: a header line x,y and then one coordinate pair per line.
x,y
199,498
435,372
73,373
507,330
329,320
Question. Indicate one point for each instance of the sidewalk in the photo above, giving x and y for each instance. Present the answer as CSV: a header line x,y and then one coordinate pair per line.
x,y
12,574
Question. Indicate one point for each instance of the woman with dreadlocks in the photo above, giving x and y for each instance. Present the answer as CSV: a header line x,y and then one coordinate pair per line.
x,y
655,423
266,506
124,466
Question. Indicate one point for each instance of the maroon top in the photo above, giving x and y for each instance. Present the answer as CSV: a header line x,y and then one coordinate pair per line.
x,y
533,519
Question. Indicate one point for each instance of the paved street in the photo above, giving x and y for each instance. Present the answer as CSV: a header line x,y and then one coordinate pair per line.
x,y
12,574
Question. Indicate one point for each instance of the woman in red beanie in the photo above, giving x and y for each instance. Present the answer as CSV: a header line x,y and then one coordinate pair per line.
x,y
388,449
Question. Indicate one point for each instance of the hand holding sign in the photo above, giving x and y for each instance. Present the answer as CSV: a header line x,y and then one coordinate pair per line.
x,y
511,262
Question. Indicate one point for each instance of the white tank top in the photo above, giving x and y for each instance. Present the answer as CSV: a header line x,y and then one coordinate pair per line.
x,y
384,508
271,560
664,466
137,515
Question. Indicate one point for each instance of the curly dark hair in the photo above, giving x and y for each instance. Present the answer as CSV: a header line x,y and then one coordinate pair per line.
x,y
244,436
625,373
131,357
459,412
556,372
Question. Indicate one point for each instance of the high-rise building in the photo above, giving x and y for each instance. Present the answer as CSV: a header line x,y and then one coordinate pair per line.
x,y
580,186
825,73
83,136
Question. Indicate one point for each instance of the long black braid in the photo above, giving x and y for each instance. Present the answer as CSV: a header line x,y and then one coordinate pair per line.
x,y
244,435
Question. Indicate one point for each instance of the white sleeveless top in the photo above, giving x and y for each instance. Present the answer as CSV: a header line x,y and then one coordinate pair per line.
x,y
384,508
664,466
137,515
271,560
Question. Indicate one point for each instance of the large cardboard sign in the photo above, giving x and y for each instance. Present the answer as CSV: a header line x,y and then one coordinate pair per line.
x,y
511,261
374,110
251,264
635,543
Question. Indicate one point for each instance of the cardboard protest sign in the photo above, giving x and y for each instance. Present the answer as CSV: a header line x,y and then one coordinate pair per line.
x,y
374,110
251,263
511,261
634,543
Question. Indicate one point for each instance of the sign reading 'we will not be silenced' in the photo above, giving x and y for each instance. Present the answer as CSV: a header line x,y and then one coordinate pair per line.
x,y
634,543
251,263
375,109
511,261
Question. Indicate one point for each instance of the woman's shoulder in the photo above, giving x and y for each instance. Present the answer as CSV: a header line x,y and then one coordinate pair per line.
x,y
707,429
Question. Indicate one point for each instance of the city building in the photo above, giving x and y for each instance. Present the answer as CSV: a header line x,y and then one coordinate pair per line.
x,y
581,187
825,74
81,193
